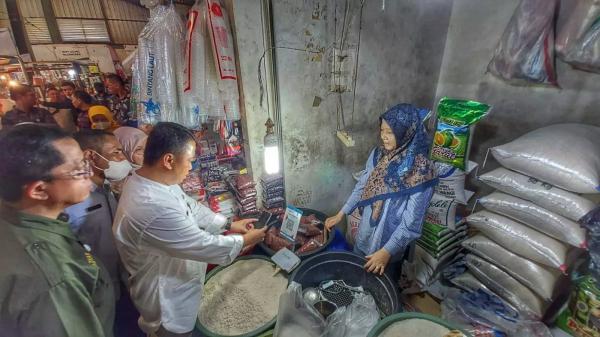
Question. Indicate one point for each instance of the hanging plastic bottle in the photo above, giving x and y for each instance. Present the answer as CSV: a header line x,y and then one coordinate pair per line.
x,y
224,56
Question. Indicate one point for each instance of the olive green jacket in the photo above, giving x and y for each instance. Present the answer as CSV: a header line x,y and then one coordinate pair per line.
x,y
50,286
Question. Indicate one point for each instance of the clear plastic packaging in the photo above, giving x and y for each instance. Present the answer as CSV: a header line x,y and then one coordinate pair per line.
x,y
355,320
578,42
296,317
525,52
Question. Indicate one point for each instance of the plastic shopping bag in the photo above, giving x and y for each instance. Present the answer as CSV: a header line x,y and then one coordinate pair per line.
x,y
355,320
578,42
296,317
525,52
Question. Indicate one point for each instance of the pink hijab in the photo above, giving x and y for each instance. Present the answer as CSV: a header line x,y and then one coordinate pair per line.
x,y
130,138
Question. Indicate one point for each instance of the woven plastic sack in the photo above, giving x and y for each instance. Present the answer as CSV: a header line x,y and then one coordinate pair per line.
x,y
505,286
452,181
536,217
578,42
567,204
520,239
563,155
525,52
538,278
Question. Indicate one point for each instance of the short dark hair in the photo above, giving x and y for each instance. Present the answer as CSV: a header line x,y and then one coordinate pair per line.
x,y
20,90
166,138
115,78
51,88
67,84
27,155
99,87
91,139
83,96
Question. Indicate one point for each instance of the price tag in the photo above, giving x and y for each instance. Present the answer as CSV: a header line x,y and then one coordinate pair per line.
x,y
291,223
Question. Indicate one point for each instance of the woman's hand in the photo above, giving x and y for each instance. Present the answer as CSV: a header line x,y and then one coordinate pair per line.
x,y
242,226
334,220
377,262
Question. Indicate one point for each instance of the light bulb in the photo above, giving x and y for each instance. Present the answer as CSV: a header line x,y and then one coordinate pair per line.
x,y
272,159
72,72
13,83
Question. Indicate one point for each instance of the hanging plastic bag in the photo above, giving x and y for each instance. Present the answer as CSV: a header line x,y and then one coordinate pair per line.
x,y
160,61
578,42
525,52
224,56
451,142
296,317
483,314
355,320
194,105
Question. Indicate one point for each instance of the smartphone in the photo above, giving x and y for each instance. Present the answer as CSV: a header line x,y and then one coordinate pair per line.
x,y
263,220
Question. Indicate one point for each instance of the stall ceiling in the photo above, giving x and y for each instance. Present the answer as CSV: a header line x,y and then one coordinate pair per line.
x,y
4,21
81,30
77,9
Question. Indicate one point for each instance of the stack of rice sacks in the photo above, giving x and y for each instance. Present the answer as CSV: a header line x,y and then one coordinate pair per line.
x,y
528,232
444,229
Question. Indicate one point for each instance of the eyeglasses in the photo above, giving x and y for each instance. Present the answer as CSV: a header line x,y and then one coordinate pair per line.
x,y
82,172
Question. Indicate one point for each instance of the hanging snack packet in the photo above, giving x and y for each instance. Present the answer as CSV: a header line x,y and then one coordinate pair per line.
x,y
451,142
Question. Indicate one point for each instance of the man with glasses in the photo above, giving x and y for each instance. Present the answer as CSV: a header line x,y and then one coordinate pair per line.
x,y
50,284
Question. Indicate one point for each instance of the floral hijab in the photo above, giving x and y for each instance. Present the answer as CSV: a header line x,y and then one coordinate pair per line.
x,y
405,170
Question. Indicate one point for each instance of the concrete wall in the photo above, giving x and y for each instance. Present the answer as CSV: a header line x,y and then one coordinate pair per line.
x,y
475,28
401,48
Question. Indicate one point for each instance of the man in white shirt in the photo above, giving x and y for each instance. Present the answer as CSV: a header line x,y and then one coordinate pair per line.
x,y
165,238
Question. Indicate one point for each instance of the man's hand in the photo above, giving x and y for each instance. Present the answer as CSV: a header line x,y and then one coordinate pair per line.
x,y
254,236
242,226
377,262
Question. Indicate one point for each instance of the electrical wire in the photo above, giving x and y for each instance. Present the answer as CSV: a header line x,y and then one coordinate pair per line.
x,y
356,62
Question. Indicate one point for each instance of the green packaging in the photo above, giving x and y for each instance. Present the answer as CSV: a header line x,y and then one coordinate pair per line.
x,y
452,136
582,317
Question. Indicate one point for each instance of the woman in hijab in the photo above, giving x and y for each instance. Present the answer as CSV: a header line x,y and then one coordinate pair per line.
x,y
394,191
134,142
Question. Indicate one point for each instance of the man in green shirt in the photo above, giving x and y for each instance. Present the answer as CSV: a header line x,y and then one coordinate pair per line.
x,y
50,284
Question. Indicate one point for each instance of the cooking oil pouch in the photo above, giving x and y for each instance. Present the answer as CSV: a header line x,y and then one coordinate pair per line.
x,y
451,142
582,317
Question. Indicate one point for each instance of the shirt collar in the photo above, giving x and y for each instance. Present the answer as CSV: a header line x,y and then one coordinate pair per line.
x,y
22,219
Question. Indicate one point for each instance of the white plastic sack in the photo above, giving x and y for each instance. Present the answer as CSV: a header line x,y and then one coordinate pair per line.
x,y
520,239
506,287
441,211
567,204
563,155
452,181
578,42
466,281
536,217
525,52
539,279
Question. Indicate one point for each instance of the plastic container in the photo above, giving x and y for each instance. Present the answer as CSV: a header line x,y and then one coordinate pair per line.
x,y
305,212
349,267
385,323
262,331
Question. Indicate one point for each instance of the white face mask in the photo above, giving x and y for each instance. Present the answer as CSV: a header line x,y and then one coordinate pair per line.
x,y
136,166
117,170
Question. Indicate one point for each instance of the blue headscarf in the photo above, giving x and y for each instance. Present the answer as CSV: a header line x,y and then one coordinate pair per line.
x,y
406,169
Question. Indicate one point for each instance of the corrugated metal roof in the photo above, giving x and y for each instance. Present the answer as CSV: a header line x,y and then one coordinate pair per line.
x,y
125,32
4,23
37,30
31,8
122,10
82,30
77,9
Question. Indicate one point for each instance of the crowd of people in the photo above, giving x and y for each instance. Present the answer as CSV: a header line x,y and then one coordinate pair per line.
x,y
73,108
98,238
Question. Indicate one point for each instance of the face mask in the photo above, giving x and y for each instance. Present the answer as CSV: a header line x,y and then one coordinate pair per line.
x,y
117,170
136,166
101,125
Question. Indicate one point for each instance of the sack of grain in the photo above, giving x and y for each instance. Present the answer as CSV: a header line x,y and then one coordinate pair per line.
x,y
567,204
506,287
452,181
441,211
466,281
520,239
536,217
564,155
539,279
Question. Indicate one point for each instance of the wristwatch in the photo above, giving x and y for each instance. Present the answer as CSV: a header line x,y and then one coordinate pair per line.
x,y
228,224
